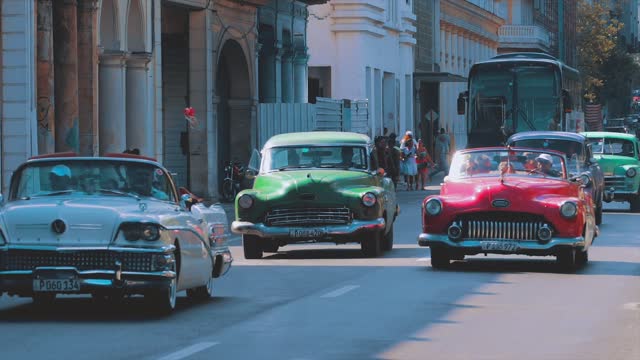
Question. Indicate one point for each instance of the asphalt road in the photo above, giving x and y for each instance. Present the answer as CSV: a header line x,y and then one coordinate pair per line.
x,y
327,302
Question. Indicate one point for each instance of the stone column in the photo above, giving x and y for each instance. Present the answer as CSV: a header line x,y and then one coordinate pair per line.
x,y
113,90
267,75
138,134
277,62
287,76
88,76
45,91
65,27
300,76
442,49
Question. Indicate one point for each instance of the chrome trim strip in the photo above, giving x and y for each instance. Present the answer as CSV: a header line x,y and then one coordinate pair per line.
x,y
159,250
166,273
443,240
260,229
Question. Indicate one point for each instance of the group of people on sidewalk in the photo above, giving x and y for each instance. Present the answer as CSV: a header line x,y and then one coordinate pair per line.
x,y
411,160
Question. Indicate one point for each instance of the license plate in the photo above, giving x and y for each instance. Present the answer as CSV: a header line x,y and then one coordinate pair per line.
x,y
56,285
307,233
499,246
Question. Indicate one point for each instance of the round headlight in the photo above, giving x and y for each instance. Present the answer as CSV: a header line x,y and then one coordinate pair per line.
x,y
433,206
245,201
568,209
150,233
631,172
369,199
544,233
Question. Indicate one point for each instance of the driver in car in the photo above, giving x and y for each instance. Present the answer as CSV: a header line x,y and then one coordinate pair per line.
x,y
141,182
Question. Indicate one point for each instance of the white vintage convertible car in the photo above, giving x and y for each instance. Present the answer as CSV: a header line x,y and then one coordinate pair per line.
x,y
108,226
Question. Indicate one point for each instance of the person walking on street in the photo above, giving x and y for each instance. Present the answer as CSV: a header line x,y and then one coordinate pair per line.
x,y
443,147
409,166
424,162
395,159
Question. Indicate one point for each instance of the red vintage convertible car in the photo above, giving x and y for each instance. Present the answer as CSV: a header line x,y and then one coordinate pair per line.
x,y
510,201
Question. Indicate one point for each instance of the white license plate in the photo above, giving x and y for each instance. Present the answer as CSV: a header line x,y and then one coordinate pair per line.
x,y
56,285
499,246
307,233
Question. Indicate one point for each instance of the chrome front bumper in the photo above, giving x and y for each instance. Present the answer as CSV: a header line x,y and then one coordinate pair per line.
x,y
261,230
20,280
474,246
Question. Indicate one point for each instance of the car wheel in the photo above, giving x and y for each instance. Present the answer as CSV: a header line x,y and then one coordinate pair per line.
x,y
228,191
635,203
43,299
201,292
252,247
599,213
164,300
270,246
372,245
439,258
566,259
582,257
387,244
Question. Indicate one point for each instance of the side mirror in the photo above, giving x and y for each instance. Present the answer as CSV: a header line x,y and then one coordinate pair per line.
x,y
462,102
593,160
250,174
1,199
187,201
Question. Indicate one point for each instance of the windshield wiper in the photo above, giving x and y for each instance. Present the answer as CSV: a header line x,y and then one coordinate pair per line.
x,y
293,167
118,192
61,192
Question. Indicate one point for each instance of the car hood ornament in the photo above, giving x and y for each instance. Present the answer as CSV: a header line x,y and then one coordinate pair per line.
x,y
58,226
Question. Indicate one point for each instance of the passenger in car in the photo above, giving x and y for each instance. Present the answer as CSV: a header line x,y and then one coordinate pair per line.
x,y
60,177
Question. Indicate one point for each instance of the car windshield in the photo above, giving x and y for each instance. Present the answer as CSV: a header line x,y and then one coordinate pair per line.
x,y
572,150
298,157
91,178
496,163
612,146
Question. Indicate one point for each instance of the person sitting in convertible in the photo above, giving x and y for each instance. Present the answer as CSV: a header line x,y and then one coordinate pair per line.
x,y
545,163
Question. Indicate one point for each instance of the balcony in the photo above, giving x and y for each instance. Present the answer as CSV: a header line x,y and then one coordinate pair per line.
x,y
524,37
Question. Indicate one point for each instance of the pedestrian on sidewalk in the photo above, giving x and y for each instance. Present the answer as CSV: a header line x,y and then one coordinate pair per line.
x,y
395,158
443,147
424,162
409,166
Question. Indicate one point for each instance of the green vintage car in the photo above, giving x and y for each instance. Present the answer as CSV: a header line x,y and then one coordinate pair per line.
x,y
617,155
318,186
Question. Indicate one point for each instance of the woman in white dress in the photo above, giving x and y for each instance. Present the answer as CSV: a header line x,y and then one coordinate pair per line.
x,y
408,165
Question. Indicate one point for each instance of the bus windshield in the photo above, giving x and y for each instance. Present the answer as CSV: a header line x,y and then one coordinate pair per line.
x,y
520,98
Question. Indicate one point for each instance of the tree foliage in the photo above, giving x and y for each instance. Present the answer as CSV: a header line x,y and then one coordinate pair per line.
x,y
597,36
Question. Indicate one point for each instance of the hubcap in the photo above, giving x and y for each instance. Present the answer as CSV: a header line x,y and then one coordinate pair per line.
x,y
172,294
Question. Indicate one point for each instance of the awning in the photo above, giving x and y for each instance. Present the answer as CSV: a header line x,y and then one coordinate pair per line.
x,y
431,76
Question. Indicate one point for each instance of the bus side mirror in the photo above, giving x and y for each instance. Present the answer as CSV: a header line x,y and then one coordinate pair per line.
x,y
567,101
462,103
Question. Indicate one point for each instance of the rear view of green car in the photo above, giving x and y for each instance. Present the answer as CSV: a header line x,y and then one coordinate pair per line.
x,y
617,155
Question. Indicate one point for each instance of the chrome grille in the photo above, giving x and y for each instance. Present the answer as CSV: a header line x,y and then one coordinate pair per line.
x,y
308,217
22,260
507,230
617,182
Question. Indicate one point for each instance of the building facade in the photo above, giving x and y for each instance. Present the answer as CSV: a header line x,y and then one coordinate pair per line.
x,y
540,26
100,76
364,50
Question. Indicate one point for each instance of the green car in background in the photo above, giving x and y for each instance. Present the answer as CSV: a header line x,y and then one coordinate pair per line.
x,y
316,187
617,155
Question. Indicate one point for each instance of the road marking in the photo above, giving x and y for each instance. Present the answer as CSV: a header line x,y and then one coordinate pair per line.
x,y
424,259
343,290
189,351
